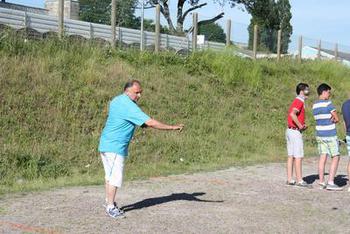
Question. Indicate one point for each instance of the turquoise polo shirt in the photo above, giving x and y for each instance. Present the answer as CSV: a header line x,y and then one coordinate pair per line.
x,y
123,117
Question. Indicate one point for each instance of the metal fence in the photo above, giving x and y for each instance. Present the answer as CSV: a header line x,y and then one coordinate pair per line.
x,y
45,24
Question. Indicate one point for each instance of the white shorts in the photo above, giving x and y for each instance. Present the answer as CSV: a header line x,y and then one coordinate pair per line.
x,y
295,146
114,165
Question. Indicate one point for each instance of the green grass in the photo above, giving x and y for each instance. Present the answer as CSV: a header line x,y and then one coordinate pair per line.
x,y
54,97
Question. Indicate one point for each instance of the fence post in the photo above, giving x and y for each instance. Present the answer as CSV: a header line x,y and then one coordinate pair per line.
x,y
194,32
255,42
279,37
60,19
319,49
113,22
25,20
91,32
336,52
300,48
167,42
120,37
228,32
157,39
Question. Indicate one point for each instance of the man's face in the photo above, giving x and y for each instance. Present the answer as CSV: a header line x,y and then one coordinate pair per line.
x,y
134,92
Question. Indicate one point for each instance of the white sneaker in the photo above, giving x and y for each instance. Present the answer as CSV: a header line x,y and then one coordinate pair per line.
x,y
333,187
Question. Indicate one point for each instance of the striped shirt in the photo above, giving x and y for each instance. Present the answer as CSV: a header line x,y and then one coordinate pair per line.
x,y
322,110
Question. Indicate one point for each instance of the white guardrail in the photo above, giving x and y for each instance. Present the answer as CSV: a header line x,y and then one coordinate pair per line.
x,y
46,24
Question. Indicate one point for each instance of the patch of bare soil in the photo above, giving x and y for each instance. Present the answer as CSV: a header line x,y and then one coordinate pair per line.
x,y
252,199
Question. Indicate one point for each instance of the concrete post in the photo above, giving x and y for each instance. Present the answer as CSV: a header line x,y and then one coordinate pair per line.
x,y
61,19
113,22
336,52
194,32
319,49
228,32
279,38
255,42
91,31
157,31
300,48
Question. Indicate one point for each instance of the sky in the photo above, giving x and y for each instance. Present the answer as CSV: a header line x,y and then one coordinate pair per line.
x,y
328,20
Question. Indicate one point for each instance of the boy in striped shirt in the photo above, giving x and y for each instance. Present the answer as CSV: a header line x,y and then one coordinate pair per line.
x,y
326,117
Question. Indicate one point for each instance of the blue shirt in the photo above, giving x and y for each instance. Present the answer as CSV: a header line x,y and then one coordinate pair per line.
x,y
123,116
322,113
346,115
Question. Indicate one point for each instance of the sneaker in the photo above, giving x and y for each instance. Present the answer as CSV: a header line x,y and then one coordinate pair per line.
x,y
333,187
292,182
322,185
114,213
303,184
115,205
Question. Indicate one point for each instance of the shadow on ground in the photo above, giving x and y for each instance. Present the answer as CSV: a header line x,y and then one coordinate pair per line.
x,y
340,180
160,200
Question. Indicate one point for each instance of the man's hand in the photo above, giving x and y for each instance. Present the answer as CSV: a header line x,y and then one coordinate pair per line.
x,y
179,127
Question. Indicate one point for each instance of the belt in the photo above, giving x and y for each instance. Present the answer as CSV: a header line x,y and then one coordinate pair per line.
x,y
294,128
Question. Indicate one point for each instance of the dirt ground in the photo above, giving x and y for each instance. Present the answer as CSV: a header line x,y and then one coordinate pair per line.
x,y
252,199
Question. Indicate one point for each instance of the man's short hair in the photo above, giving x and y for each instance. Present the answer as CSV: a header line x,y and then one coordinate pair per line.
x,y
131,83
323,87
301,87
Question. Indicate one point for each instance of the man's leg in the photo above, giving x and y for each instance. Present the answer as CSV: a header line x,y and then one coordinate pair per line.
x,y
298,169
107,191
333,169
111,193
290,162
321,166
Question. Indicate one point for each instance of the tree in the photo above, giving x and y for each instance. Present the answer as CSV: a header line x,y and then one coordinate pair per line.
x,y
181,13
270,16
99,11
212,32
150,26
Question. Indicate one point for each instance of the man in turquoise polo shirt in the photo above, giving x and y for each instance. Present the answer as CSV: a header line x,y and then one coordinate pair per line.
x,y
123,117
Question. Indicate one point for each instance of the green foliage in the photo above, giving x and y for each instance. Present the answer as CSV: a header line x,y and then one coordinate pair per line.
x,y
212,32
270,16
99,11
54,97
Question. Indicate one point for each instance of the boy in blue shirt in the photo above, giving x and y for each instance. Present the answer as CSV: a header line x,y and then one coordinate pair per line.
x,y
326,117
123,117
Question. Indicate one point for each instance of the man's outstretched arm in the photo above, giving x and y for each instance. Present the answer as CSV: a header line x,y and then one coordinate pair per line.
x,y
158,125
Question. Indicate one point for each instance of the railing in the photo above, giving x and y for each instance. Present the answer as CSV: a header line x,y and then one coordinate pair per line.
x,y
46,24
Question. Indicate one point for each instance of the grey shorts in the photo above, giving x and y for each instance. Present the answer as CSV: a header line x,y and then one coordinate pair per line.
x,y
295,146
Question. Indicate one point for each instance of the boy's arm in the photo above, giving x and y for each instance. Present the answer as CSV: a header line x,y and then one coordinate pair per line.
x,y
334,117
293,115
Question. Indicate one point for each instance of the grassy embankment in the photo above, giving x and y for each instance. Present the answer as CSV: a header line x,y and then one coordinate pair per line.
x,y
54,98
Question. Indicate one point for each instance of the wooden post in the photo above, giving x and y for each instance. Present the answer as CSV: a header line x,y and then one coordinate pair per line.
x,y
61,19
300,48
336,52
279,37
194,32
319,49
157,39
228,32
113,22
255,42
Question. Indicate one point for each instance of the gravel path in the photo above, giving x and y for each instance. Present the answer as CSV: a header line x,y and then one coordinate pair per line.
x,y
237,200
